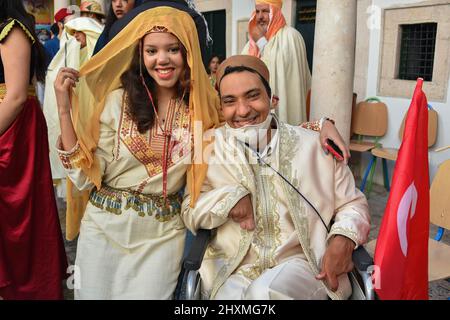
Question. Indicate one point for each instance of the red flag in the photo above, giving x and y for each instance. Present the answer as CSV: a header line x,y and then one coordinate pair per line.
x,y
401,254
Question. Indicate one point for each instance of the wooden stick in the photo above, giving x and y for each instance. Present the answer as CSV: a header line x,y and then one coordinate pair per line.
x,y
442,149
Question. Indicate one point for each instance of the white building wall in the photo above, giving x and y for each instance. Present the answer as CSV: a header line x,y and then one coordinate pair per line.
x,y
367,72
241,9
398,106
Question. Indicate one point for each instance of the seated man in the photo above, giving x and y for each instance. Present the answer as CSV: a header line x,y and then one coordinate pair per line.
x,y
288,216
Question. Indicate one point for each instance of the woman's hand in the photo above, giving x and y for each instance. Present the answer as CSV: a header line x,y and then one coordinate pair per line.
x,y
66,79
64,82
329,131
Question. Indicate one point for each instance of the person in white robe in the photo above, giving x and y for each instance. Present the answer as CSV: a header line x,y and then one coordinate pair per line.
x,y
270,242
283,50
74,54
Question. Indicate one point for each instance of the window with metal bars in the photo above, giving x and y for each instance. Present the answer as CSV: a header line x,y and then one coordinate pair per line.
x,y
417,51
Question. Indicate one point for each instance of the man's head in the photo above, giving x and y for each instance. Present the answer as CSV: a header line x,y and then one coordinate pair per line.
x,y
121,7
84,30
61,17
54,28
80,37
262,11
245,94
92,9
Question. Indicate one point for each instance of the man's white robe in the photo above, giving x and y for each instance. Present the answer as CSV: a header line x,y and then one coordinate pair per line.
x,y
287,228
290,77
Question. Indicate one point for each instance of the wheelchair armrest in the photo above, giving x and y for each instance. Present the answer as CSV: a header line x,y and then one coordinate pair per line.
x,y
361,259
195,256
363,263
192,285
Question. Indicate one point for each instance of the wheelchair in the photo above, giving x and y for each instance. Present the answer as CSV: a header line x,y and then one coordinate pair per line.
x,y
189,284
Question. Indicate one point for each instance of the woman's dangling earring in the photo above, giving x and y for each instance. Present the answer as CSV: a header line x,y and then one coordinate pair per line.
x,y
140,59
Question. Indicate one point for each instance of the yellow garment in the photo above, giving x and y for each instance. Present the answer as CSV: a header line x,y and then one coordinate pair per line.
x,y
101,75
275,3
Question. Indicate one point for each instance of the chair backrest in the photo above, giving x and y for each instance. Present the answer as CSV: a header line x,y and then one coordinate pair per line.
x,y
370,118
432,127
355,96
439,199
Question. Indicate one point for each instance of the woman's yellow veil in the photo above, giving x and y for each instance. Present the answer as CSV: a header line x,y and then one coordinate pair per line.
x,y
101,75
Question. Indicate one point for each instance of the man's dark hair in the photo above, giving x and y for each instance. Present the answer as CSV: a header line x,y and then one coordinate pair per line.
x,y
233,69
55,29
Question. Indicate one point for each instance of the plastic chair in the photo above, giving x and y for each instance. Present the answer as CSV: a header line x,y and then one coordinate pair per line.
x,y
360,277
439,252
369,119
392,153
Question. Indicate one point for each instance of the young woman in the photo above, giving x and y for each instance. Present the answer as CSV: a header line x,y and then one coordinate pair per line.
x,y
32,257
133,149
213,65
117,10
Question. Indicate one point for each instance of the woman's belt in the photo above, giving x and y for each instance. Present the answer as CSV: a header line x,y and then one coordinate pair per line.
x,y
115,200
31,91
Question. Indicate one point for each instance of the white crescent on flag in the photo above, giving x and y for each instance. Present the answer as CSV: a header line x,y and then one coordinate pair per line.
x,y
409,200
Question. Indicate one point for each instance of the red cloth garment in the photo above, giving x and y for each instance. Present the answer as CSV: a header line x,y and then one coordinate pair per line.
x,y
33,261
401,254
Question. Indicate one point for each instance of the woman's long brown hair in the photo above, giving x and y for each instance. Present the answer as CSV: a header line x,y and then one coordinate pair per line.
x,y
139,103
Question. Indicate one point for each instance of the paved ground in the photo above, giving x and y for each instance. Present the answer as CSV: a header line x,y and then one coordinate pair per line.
x,y
438,290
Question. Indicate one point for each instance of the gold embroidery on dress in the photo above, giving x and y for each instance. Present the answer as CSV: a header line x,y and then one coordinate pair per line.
x,y
145,147
159,29
112,199
8,27
31,91
71,159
